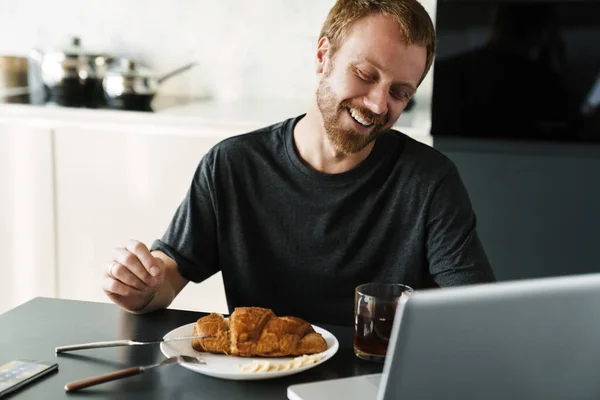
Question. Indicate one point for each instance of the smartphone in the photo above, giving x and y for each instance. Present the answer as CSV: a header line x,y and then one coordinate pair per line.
x,y
18,373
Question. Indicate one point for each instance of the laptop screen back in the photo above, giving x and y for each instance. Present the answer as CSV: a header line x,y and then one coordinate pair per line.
x,y
516,340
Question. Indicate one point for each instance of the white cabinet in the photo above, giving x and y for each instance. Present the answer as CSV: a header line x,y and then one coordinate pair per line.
x,y
27,237
115,182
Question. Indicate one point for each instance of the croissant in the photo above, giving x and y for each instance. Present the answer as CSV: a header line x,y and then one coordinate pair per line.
x,y
256,331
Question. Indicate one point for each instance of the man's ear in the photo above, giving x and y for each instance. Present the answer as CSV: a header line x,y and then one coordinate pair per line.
x,y
322,55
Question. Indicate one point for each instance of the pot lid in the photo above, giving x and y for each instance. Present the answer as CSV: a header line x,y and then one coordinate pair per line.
x,y
74,49
130,69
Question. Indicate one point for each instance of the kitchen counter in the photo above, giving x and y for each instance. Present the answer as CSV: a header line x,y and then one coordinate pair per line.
x,y
264,112
188,115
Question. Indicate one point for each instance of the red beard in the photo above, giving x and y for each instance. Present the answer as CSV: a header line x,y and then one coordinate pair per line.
x,y
347,141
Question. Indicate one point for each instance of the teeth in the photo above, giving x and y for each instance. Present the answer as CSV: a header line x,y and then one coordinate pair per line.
x,y
358,118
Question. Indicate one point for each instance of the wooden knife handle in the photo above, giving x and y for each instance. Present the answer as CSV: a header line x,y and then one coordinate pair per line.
x,y
76,385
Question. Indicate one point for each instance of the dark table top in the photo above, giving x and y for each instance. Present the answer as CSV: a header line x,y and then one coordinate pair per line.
x,y
34,329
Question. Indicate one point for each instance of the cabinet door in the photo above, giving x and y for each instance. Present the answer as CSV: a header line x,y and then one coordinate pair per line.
x,y
120,182
26,214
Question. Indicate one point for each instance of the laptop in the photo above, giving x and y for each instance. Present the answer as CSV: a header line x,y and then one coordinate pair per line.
x,y
527,339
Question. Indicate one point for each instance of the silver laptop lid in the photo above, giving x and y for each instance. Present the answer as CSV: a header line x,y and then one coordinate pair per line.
x,y
530,339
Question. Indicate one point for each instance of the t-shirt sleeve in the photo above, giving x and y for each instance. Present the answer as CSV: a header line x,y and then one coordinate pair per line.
x,y
454,251
190,238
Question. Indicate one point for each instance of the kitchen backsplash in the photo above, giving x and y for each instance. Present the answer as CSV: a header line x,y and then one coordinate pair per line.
x,y
259,49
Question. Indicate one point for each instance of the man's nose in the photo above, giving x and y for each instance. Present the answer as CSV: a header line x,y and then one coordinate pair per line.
x,y
377,100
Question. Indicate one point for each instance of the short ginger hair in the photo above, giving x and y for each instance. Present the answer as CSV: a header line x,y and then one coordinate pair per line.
x,y
414,23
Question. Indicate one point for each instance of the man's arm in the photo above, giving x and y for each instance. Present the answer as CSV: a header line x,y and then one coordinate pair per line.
x,y
187,251
454,251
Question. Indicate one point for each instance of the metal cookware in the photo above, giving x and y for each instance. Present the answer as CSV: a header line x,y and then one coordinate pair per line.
x,y
14,83
72,76
130,86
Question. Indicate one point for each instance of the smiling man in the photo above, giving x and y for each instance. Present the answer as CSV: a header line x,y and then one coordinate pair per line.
x,y
365,84
297,214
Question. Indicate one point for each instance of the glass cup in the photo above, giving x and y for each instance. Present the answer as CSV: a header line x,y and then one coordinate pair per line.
x,y
374,310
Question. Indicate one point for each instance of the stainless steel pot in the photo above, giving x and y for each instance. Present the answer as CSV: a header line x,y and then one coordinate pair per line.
x,y
73,76
129,86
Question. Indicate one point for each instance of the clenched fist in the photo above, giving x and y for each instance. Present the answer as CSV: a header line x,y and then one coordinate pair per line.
x,y
133,277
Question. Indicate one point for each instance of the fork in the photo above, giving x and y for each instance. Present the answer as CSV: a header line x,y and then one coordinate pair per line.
x,y
123,373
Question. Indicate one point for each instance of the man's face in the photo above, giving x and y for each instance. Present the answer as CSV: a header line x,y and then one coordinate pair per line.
x,y
362,94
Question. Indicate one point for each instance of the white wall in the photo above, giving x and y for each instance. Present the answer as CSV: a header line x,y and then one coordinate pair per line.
x,y
246,49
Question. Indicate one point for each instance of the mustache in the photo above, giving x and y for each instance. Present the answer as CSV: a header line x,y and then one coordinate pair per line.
x,y
365,113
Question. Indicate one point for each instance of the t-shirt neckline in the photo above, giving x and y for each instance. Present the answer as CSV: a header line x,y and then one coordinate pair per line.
x,y
377,155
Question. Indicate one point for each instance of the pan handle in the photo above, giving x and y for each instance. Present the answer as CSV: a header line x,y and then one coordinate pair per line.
x,y
176,72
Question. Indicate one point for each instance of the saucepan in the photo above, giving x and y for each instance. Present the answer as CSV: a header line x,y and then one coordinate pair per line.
x,y
72,76
130,86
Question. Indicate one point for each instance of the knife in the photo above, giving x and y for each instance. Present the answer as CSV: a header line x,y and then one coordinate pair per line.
x,y
115,343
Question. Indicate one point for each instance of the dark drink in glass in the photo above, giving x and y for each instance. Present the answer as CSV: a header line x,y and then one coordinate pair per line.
x,y
374,310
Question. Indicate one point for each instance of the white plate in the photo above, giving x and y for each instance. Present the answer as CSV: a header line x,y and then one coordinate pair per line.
x,y
228,367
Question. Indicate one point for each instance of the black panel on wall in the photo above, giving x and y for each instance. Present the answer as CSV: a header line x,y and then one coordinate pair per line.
x,y
517,69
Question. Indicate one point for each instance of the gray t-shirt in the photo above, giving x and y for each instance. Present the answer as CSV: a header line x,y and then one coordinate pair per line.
x,y
299,241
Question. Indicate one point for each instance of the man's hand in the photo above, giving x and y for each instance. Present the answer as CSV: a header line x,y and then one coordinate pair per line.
x,y
133,277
